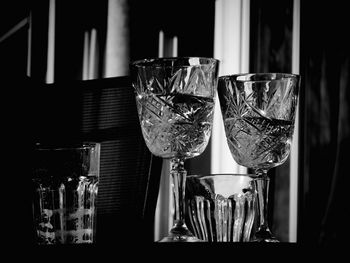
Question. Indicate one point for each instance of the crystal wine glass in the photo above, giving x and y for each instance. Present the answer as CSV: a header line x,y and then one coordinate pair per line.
x,y
175,103
258,111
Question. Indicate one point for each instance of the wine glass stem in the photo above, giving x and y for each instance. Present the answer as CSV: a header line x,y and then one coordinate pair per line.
x,y
178,177
262,184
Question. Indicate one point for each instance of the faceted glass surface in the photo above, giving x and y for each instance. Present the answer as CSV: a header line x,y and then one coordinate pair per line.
x,y
175,103
221,207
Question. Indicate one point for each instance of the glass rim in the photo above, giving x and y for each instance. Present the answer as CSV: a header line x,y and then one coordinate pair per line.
x,y
211,175
276,76
142,63
65,146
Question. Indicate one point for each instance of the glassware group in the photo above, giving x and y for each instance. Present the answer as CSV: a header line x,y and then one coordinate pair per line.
x,y
175,103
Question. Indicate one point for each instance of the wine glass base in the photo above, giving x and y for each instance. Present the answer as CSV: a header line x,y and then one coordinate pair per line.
x,y
265,236
180,233
180,238
266,240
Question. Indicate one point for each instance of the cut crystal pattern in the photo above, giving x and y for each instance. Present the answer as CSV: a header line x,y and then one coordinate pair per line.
x,y
259,119
214,217
175,106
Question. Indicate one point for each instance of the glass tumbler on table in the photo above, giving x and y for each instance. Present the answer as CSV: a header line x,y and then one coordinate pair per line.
x,y
65,185
221,207
175,103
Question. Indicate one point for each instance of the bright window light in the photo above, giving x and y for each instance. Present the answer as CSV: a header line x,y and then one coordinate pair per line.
x,y
231,47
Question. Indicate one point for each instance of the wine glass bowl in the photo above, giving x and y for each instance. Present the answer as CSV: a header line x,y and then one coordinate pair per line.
x,y
176,125
258,111
175,103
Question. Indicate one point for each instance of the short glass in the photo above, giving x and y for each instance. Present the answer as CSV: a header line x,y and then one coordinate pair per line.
x,y
65,185
221,207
